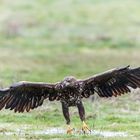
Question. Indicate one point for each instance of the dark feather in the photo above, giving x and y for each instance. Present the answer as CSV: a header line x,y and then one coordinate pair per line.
x,y
26,95
114,82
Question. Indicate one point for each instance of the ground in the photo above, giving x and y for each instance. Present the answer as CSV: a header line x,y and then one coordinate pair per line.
x,y
46,41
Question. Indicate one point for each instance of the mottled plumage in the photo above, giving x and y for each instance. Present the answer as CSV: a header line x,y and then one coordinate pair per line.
x,y
29,95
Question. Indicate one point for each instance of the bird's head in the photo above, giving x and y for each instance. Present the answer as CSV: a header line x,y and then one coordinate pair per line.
x,y
69,81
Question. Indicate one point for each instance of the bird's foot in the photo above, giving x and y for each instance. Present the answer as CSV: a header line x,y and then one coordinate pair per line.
x,y
85,128
69,130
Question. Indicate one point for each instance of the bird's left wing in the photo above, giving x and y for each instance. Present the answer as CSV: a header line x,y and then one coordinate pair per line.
x,y
113,82
26,95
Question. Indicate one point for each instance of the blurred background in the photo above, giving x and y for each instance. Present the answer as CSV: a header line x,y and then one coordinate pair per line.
x,y
46,40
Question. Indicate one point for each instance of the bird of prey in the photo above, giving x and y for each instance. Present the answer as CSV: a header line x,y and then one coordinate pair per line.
x,y
24,95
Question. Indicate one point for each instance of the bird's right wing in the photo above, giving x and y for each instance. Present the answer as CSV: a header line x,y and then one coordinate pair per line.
x,y
26,95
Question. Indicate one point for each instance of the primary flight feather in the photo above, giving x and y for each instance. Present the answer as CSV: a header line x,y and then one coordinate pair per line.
x,y
25,95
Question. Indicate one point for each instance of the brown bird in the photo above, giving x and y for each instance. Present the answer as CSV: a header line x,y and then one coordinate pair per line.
x,y
23,96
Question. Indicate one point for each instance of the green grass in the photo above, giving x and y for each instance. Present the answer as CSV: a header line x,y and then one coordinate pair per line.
x,y
48,40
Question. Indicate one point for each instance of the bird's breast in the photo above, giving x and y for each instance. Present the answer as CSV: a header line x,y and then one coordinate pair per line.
x,y
70,97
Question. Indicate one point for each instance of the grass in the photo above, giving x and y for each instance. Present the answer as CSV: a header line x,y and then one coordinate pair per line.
x,y
115,114
48,40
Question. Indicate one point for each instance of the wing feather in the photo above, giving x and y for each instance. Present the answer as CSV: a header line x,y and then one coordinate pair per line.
x,y
26,95
113,82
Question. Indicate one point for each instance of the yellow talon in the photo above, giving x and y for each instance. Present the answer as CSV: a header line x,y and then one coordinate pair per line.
x,y
85,128
69,130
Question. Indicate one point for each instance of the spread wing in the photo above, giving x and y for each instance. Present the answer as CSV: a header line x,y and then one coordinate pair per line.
x,y
26,95
113,82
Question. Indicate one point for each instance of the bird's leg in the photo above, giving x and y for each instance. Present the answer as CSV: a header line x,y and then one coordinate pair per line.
x,y
81,110
65,110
